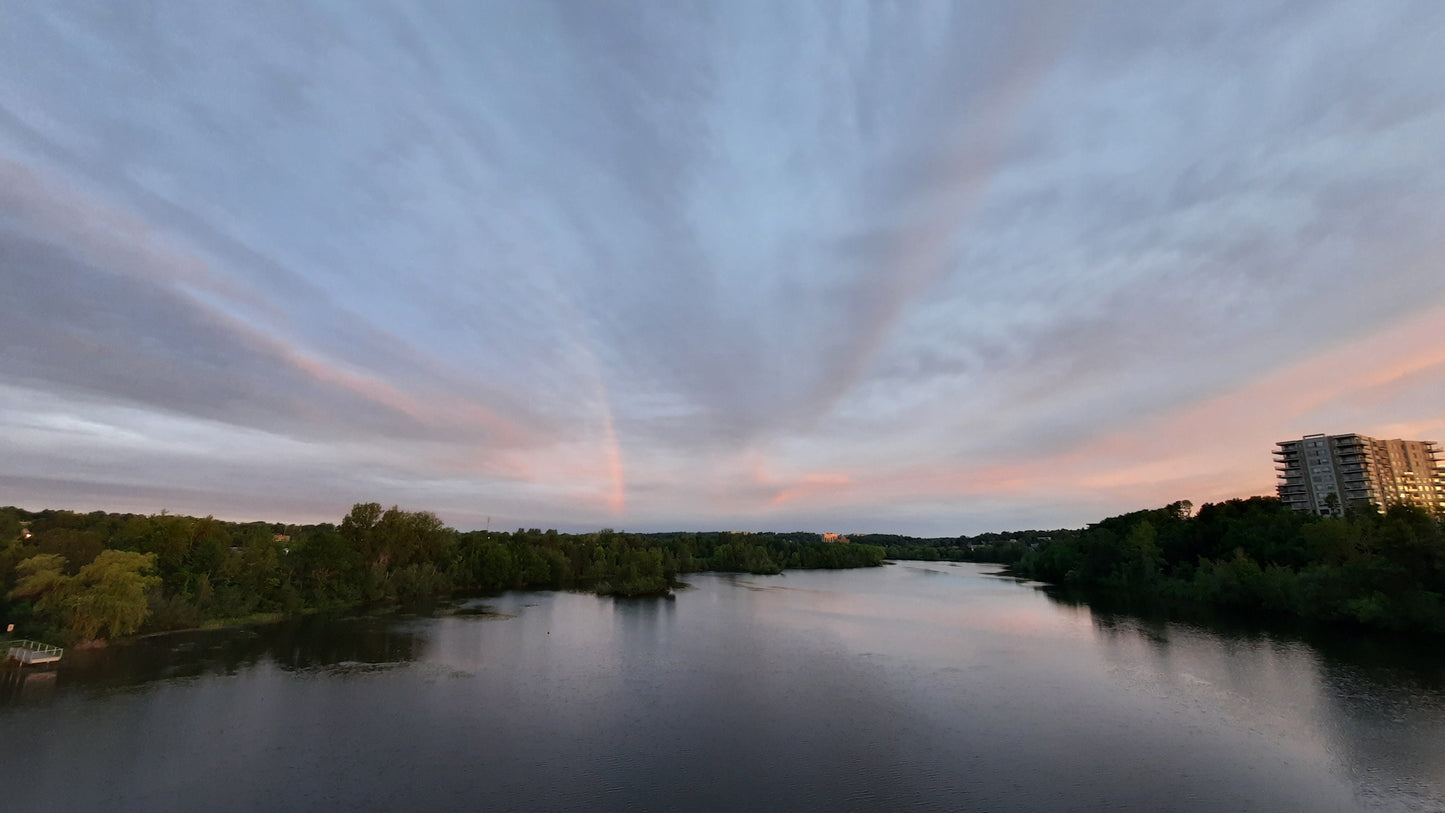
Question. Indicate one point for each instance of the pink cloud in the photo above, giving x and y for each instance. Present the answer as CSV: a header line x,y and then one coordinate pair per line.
x,y
1207,451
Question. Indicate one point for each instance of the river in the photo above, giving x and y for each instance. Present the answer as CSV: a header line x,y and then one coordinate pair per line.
x,y
914,686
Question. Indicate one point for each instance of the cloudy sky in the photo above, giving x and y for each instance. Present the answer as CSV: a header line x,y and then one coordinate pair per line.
x,y
932,268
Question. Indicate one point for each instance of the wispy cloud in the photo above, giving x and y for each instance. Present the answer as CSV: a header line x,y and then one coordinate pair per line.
x,y
927,267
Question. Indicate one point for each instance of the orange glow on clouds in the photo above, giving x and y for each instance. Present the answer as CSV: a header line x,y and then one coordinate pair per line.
x,y
813,485
1206,451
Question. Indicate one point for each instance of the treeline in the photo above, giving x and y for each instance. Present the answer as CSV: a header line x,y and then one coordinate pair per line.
x,y
73,576
1005,548
1384,571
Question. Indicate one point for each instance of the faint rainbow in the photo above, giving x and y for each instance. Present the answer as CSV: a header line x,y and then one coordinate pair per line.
x,y
612,445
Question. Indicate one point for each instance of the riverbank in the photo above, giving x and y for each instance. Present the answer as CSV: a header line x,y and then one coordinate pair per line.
x,y
112,575
1364,571
439,605
729,697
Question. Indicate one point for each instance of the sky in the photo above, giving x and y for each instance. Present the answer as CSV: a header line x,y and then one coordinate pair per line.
x,y
927,267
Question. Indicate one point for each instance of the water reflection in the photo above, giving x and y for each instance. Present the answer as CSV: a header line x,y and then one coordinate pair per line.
x,y
1371,705
26,684
297,644
915,686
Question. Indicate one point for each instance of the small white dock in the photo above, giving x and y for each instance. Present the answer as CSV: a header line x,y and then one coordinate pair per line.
x,y
32,653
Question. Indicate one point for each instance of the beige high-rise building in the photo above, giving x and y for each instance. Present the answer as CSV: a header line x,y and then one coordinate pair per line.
x,y
1356,468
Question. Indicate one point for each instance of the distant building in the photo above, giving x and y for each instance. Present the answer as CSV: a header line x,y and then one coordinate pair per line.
x,y
1325,474
834,538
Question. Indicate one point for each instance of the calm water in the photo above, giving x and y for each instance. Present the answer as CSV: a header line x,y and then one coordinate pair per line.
x,y
911,686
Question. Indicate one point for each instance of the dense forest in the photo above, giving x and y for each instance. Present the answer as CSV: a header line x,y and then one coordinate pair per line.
x,y
1252,557
986,547
70,576
1256,556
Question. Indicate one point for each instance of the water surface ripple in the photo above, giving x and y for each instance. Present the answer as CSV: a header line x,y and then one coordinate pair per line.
x,y
911,687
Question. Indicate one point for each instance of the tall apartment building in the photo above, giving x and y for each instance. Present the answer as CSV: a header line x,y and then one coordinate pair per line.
x,y
1355,468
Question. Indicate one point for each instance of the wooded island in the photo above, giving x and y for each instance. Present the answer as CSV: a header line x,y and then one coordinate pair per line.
x,y
70,576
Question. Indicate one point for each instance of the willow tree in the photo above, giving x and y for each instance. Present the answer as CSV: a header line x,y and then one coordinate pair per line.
x,y
104,599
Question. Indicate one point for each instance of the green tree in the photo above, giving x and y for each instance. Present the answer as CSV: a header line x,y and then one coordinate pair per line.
x,y
105,599
78,547
9,526
359,527
42,577
110,594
